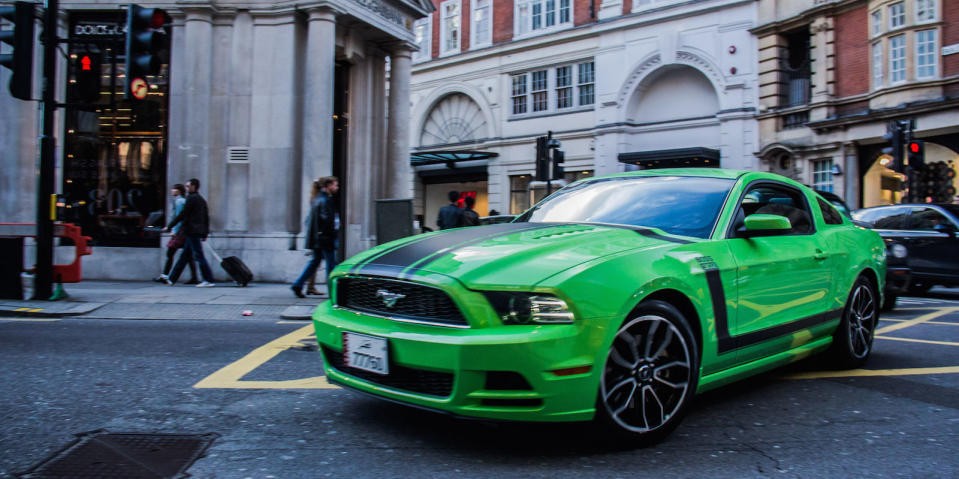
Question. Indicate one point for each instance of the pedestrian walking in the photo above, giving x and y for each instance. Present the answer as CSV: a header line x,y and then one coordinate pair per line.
x,y
470,216
177,240
314,198
450,216
322,233
195,219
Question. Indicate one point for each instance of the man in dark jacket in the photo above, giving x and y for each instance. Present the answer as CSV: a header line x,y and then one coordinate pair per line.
x,y
321,234
450,216
195,226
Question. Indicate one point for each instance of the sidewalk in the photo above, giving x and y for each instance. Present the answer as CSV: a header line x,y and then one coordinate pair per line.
x,y
151,300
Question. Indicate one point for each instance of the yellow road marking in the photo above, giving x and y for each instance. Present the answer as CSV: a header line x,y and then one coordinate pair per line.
x,y
21,309
912,322
31,320
873,372
944,323
926,341
229,376
292,322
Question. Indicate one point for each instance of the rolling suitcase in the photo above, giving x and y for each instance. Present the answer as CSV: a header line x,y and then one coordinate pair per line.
x,y
234,267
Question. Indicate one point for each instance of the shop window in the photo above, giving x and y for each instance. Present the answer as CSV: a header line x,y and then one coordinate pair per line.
x,y
822,175
481,31
423,34
897,59
450,27
114,154
897,15
926,54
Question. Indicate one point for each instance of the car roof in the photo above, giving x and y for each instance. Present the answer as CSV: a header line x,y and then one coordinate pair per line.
x,y
700,172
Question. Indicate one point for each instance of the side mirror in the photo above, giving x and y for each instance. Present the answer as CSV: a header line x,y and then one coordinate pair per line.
x,y
765,225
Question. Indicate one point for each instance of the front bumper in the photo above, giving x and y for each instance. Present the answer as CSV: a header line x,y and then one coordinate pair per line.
x,y
473,372
897,279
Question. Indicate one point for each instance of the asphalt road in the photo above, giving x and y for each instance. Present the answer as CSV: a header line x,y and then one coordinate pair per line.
x,y
256,384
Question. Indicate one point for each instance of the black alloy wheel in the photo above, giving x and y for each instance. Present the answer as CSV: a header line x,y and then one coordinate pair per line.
x,y
650,375
852,342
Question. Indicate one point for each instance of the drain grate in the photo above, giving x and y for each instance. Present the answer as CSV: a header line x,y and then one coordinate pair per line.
x,y
101,454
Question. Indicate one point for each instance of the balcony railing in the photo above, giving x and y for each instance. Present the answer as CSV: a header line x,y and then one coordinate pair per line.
x,y
798,85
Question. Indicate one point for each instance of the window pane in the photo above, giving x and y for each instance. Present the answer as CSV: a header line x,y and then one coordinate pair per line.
x,y
523,20
925,10
876,22
550,13
537,16
563,11
519,94
481,21
925,54
586,74
897,15
539,80
822,175
564,98
897,58
877,65
564,76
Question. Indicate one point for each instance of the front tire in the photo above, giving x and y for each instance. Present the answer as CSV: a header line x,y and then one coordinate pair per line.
x,y
650,375
852,342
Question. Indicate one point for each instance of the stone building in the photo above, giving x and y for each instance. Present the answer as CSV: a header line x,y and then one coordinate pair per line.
x,y
621,84
833,74
256,100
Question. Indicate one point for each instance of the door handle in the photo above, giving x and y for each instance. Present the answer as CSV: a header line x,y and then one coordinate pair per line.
x,y
819,256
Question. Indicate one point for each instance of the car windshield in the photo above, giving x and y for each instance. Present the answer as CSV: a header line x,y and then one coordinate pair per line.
x,y
679,205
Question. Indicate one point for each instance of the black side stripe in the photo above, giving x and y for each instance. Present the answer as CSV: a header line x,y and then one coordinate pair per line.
x,y
729,343
411,253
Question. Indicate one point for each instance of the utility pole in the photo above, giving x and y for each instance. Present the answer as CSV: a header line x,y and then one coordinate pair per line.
x,y
43,282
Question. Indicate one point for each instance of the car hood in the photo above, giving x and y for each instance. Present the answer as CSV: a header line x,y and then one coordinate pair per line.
x,y
504,255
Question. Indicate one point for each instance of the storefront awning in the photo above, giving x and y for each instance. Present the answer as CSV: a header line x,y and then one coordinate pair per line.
x,y
449,158
675,158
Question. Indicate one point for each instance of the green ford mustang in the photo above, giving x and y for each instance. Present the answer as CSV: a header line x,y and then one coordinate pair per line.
x,y
615,300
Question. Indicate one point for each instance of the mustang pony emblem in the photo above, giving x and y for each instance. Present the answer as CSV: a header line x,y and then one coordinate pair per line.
x,y
389,298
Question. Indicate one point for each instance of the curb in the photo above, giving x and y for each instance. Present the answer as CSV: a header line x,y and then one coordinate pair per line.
x,y
38,310
298,312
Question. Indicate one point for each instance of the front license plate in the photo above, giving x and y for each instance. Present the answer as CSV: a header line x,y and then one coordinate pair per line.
x,y
365,352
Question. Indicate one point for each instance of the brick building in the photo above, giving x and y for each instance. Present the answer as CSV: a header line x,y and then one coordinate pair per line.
x,y
833,74
621,84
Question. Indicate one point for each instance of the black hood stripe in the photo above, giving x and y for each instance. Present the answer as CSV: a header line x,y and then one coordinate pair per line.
x,y
413,252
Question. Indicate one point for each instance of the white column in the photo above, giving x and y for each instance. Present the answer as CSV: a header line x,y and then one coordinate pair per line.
x,y
191,82
318,99
400,173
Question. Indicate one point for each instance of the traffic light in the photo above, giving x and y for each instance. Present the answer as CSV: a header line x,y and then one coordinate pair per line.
x,y
894,135
916,152
146,40
87,75
542,159
559,156
20,62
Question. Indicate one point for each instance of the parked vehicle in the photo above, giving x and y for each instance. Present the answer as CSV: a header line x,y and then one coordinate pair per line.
x,y
616,299
928,239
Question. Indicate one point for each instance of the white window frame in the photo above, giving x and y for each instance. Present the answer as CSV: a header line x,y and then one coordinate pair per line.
x,y
552,90
897,11
822,179
932,54
426,45
524,20
894,66
444,29
877,63
475,40
927,6
876,18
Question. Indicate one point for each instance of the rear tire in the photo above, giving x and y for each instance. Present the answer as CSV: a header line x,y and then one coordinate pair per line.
x,y
889,303
852,341
650,376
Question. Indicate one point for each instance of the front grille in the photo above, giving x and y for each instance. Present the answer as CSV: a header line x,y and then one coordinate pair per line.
x,y
400,377
398,299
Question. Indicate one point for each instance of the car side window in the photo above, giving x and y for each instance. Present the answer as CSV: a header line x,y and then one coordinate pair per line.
x,y
772,199
829,213
885,218
926,219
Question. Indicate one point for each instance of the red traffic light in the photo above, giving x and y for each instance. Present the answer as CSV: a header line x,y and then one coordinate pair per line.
x,y
158,19
85,64
914,147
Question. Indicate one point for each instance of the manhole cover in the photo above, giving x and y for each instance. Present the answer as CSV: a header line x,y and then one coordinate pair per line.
x,y
100,454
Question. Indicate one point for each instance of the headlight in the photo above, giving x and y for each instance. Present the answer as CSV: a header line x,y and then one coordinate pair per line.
x,y
898,251
530,308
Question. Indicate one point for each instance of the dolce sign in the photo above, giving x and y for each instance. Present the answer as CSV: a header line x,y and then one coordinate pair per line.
x,y
112,30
